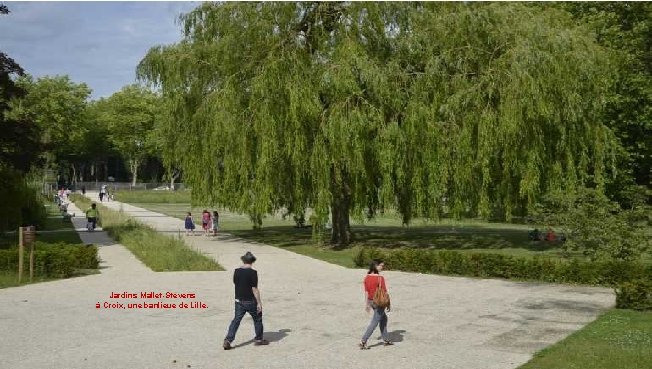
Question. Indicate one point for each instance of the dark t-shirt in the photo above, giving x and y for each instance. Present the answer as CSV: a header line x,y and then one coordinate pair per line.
x,y
244,279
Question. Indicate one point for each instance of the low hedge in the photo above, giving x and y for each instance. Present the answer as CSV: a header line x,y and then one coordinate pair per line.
x,y
59,260
486,265
635,295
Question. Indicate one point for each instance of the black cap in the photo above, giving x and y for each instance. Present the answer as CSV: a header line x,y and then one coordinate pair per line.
x,y
248,258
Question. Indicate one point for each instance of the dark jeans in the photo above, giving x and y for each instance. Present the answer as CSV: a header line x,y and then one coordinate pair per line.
x,y
241,308
93,221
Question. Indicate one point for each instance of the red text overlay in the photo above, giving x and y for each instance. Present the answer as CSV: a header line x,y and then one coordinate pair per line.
x,y
146,300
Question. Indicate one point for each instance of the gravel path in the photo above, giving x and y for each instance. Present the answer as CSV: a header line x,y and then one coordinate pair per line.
x,y
313,312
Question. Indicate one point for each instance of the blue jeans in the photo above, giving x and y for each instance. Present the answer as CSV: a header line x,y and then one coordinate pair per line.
x,y
379,318
241,308
93,221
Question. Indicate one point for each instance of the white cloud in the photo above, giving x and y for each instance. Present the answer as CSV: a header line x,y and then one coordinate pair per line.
x,y
99,43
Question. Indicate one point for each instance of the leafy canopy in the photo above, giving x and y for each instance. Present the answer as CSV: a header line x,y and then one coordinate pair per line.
x,y
57,106
129,115
476,109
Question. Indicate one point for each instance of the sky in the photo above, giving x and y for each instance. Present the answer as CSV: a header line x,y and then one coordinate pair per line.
x,y
98,43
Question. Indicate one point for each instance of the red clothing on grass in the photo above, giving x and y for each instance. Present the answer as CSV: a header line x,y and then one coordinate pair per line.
x,y
550,236
371,284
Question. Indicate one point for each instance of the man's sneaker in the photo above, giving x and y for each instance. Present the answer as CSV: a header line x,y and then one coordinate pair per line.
x,y
227,345
261,342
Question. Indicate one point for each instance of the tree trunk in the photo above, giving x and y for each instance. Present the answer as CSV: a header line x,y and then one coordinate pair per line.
x,y
74,174
173,177
341,235
46,169
133,164
106,171
341,232
45,178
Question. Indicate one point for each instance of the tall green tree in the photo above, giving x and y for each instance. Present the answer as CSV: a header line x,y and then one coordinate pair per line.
x,y
96,148
625,28
167,141
130,116
90,149
347,108
20,147
58,107
20,140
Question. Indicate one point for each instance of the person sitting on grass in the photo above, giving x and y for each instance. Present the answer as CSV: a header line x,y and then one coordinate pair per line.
x,y
550,235
67,217
534,235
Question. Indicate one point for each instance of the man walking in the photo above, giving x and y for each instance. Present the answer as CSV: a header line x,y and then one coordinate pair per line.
x,y
102,193
247,300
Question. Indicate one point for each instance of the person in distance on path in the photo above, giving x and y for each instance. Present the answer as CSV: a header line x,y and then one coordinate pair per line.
x,y
91,216
247,300
102,193
215,225
206,222
189,224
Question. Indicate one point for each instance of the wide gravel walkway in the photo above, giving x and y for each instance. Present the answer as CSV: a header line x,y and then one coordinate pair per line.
x,y
313,314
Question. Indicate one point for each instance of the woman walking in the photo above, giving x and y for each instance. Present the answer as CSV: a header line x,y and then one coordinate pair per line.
x,y
372,282
189,224
206,222
215,225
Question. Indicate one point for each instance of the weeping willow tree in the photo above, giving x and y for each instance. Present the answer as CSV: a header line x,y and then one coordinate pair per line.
x,y
351,108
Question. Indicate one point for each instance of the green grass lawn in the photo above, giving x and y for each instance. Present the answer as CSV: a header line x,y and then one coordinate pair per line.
x,y
149,196
385,231
619,339
10,279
